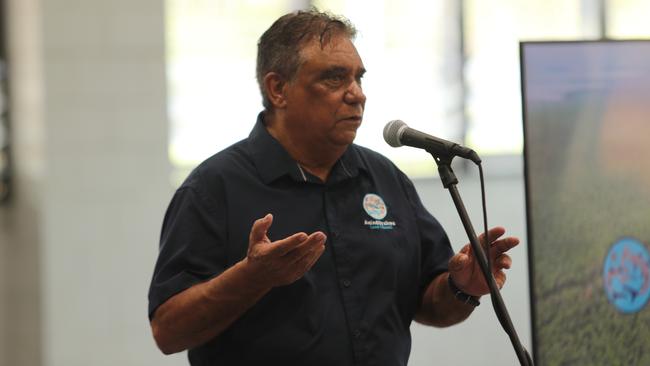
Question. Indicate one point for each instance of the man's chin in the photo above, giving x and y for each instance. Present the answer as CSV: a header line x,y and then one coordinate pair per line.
x,y
345,139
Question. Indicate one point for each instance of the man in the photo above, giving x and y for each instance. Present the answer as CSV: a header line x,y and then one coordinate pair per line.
x,y
341,255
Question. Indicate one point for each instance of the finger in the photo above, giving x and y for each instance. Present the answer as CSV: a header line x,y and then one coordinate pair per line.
x,y
493,234
259,229
283,246
311,257
503,245
319,252
503,262
312,242
303,263
500,279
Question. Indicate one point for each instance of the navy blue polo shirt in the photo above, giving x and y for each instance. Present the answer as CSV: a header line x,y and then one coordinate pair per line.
x,y
355,305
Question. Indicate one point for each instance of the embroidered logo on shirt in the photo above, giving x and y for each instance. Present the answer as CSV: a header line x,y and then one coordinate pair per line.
x,y
376,208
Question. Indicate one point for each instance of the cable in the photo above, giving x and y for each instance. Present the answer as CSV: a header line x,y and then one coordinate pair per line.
x,y
497,301
487,245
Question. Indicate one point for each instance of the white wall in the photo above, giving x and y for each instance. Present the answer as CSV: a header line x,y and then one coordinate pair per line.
x,y
78,245
92,180
107,178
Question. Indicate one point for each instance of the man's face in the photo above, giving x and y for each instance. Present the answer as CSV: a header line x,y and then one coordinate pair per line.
x,y
324,100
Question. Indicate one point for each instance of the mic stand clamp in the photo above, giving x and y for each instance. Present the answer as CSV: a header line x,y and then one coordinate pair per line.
x,y
449,181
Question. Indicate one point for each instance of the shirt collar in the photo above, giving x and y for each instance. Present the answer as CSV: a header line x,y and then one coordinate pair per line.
x,y
273,161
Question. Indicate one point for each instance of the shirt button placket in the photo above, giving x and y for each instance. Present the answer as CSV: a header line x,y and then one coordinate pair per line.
x,y
342,269
356,334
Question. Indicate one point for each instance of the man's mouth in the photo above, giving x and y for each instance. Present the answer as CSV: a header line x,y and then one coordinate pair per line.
x,y
352,119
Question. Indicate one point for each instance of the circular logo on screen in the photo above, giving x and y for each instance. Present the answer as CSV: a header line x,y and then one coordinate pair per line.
x,y
374,206
626,275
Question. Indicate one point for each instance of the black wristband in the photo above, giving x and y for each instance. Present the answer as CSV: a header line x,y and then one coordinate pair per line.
x,y
460,295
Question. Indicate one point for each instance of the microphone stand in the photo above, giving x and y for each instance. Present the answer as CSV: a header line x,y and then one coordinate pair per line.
x,y
449,181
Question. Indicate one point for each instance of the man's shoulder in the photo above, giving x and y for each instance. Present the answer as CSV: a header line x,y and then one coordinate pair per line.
x,y
210,172
235,153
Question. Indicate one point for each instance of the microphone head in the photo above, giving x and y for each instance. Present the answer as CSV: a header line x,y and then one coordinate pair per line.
x,y
393,132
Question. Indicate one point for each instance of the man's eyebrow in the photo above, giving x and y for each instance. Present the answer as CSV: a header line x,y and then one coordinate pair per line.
x,y
338,70
334,70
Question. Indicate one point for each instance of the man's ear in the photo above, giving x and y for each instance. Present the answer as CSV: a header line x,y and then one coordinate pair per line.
x,y
274,84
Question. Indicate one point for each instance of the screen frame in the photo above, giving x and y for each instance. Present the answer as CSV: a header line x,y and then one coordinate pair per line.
x,y
526,155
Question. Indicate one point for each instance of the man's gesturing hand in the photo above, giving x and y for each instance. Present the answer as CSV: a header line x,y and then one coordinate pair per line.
x,y
464,268
283,261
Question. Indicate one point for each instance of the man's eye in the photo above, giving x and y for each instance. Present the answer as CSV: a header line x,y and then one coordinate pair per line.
x,y
336,78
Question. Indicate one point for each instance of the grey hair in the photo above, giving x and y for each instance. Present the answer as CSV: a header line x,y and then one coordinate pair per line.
x,y
278,49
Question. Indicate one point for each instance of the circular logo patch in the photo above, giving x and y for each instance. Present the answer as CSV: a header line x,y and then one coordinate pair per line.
x,y
626,275
375,206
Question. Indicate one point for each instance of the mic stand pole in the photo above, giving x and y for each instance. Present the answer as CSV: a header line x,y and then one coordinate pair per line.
x,y
449,181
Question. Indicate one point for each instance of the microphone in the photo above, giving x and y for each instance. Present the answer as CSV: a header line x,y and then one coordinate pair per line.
x,y
398,133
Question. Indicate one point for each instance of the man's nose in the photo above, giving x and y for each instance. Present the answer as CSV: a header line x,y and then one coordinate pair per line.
x,y
354,94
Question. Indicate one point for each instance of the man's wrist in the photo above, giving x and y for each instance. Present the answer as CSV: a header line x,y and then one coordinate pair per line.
x,y
460,295
251,278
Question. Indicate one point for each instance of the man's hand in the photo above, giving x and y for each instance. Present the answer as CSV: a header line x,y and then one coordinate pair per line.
x,y
466,272
283,261
200,313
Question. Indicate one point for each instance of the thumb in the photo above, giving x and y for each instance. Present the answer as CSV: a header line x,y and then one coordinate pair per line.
x,y
259,229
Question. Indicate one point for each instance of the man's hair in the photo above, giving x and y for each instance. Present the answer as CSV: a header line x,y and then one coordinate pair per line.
x,y
278,50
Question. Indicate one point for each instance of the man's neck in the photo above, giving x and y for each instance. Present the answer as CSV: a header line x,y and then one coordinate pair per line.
x,y
314,158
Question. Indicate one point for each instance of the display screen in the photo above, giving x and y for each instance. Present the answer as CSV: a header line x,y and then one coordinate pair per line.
x,y
587,163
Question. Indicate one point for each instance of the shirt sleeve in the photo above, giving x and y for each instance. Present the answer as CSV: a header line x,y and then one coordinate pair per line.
x,y
192,244
435,246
